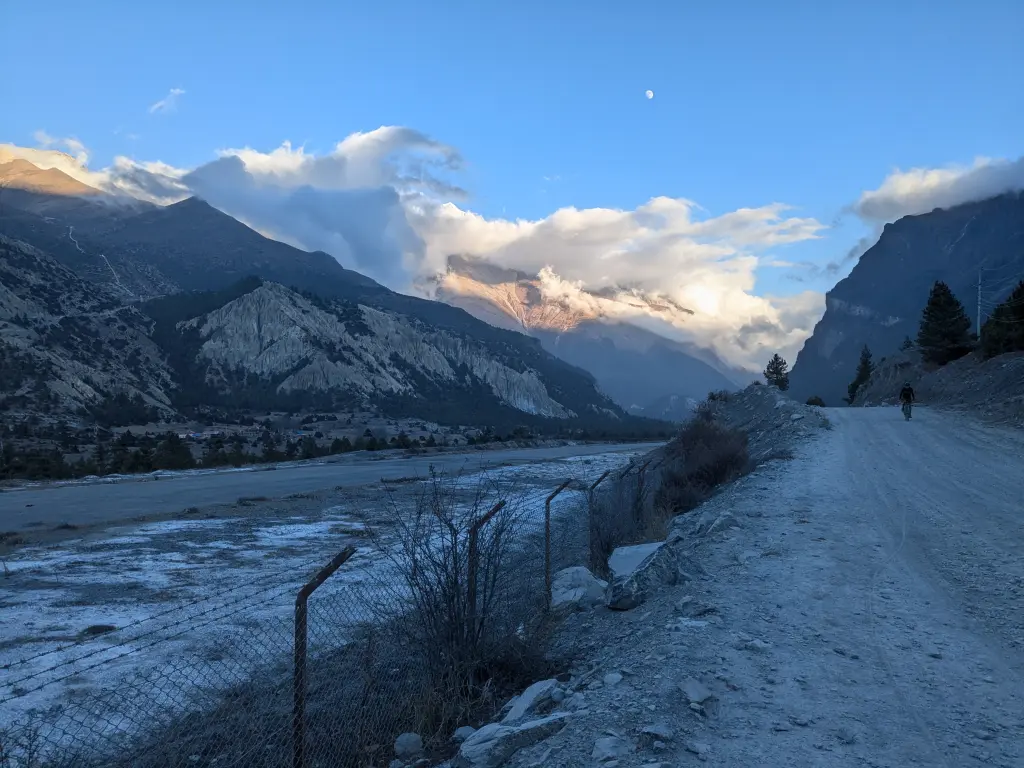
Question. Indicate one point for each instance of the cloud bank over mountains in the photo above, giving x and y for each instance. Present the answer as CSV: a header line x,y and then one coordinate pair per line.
x,y
387,203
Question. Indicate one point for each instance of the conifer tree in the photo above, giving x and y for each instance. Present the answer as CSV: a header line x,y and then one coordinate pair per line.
x,y
777,372
864,370
1003,331
945,331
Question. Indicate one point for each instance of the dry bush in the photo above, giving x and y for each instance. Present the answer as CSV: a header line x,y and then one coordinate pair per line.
x,y
472,612
703,456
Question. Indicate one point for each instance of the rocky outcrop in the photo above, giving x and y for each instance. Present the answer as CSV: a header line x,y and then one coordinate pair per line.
x,y
284,337
668,565
880,303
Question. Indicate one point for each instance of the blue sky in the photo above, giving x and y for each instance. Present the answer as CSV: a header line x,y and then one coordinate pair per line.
x,y
805,103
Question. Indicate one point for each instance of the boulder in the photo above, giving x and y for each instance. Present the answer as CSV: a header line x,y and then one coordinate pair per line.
x,y
669,564
531,701
495,743
576,589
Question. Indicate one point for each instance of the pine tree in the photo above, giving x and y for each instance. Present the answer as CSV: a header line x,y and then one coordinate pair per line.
x,y
864,370
777,372
945,332
907,345
1003,331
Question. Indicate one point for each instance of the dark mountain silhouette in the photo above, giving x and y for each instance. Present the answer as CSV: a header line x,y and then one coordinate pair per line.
x,y
880,303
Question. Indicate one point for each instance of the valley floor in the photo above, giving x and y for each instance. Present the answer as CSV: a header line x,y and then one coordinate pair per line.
x,y
867,609
30,511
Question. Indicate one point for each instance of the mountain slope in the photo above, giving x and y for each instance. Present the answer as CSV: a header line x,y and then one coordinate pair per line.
x,y
65,345
192,246
636,367
880,302
68,347
263,345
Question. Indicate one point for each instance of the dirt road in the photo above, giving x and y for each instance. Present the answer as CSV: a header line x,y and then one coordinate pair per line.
x,y
867,610
87,505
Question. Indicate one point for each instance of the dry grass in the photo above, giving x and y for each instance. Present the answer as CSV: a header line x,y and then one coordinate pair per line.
x,y
640,506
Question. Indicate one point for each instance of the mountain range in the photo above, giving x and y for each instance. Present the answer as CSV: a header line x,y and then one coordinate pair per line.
x,y
978,244
103,296
639,369
183,307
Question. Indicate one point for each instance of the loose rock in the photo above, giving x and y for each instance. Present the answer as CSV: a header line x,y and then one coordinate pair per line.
x,y
576,589
610,748
531,701
494,744
409,747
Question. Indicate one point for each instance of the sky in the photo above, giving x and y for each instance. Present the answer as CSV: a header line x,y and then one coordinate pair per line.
x,y
780,137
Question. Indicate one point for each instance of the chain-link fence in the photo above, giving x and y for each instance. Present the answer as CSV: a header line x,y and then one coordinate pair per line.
x,y
443,620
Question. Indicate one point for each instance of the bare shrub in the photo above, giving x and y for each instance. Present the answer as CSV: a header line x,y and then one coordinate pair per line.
x,y
472,599
703,456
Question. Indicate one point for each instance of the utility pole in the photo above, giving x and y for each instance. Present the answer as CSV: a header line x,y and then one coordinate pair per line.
x,y
979,304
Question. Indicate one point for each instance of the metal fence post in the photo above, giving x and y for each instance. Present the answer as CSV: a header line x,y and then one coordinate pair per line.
x,y
301,639
547,540
472,566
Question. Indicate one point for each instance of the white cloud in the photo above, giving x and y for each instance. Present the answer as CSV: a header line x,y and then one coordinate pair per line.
x,y
70,145
660,250
921,190
168,103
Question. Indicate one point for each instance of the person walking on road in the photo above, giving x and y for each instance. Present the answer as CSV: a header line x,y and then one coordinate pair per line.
x,y
907,399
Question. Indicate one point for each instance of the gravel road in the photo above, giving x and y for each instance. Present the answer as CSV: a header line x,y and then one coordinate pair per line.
x,y
867,610
99,503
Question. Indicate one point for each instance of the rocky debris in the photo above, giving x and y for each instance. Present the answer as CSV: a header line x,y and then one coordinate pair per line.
x,y
609,748
669,564
698,748
463,733
492,745
992,389
695,691
692,608
746,556
532,701
772,421
576,589
613,678
661,731
408,747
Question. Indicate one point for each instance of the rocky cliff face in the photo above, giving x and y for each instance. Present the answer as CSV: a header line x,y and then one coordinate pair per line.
x,y
637,368
67,345
285,338
880,302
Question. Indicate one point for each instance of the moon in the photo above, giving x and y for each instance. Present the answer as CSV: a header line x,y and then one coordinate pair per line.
x,y
649,94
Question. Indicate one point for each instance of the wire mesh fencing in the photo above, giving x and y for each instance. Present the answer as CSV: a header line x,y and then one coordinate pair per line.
x,y
441,620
